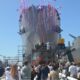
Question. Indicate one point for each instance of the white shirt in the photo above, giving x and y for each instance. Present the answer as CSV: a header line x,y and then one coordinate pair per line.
x,y
26,71
73,70
50,68
8,75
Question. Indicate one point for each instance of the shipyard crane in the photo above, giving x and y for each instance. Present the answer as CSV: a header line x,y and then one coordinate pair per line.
x,y
72,36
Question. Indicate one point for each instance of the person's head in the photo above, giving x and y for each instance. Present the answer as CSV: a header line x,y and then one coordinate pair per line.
x,y
73,63
55,66
8,68
25,63
50,64
13,70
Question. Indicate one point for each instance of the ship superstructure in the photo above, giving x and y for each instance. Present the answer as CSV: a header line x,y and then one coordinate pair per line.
x,y
39,24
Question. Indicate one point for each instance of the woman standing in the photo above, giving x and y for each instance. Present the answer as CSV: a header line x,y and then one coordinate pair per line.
x,y
14,72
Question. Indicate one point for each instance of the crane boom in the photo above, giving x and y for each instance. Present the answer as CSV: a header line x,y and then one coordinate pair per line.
x,y
72,36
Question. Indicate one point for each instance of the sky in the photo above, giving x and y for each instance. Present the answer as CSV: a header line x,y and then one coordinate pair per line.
x,y
9,22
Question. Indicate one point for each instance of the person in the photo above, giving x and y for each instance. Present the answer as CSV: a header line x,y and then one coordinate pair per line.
x,y
2,70
26,71
14,72
38,71
7,73
73,70
44,72
50,66
54,74
33,73
19,72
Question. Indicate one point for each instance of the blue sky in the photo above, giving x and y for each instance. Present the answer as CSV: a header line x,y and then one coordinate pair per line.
x,y
9,25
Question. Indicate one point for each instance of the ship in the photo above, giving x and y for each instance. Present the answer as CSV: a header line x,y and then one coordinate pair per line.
x,y
76,48
39,24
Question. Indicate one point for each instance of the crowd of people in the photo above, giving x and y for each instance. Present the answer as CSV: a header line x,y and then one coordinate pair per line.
x,y
42,71
16,72
45,71
55,71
